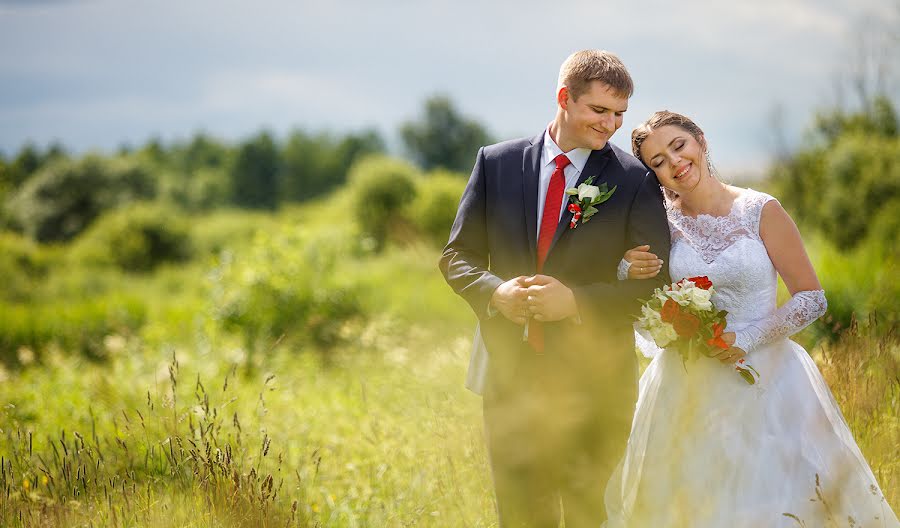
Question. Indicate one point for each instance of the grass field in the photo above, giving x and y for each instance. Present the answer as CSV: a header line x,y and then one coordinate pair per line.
x,y
185,423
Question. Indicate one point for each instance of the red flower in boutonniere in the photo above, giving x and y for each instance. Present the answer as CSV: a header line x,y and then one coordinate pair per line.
x,y
583,199
575,209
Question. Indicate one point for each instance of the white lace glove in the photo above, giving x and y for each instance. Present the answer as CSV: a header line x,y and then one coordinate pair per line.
x,y
795,315
622,270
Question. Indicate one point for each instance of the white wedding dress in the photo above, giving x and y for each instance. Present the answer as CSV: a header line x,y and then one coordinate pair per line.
x,y
706,449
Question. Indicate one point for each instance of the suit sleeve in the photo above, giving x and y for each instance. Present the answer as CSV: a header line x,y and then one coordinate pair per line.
x,y
647,224
466,257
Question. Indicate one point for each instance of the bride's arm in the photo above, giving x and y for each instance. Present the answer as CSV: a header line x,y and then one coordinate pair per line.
x,y
784,245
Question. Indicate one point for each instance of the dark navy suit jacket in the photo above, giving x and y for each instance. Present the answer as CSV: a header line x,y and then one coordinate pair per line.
x,y
494,239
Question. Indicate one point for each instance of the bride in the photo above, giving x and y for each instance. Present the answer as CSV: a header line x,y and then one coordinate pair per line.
x,y
707,449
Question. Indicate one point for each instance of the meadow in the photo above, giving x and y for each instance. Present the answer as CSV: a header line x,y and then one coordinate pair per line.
x,y
212,336
181,419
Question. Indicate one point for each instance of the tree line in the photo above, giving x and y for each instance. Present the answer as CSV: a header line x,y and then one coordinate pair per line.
x,y
52,195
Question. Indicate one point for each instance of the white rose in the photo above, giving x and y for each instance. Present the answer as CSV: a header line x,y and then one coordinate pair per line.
x,y
684,294
663,334
649,318
700,299
589,192
663,296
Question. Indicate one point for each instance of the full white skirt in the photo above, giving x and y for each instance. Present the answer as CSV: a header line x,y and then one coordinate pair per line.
x,y
709,450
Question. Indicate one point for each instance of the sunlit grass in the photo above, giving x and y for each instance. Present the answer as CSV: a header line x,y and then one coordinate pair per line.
x,y
385,436
176,423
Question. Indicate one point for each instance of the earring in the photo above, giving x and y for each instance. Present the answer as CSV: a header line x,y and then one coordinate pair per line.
x,y
709,166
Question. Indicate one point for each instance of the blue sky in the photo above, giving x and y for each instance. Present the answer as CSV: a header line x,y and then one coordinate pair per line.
x,y
94,74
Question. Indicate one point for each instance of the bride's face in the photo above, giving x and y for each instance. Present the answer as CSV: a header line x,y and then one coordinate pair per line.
x,y
676,157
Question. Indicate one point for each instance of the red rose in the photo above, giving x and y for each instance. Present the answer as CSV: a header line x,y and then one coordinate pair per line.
x,y
669,310
686,325
717,340
701,282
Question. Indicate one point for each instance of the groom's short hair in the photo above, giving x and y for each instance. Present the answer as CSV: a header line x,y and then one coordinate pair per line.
x,y
585,66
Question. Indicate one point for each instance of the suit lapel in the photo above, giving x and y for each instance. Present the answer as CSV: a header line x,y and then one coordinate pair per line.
x,y
531,175
594,166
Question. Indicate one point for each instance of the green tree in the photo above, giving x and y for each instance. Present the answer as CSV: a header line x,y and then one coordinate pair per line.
x,y
443,137
846,175
203,152
195,174
62,199
383,189
254,173
316,164
27,162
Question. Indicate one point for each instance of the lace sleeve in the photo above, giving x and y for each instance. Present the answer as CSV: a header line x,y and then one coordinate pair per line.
x,y
795,315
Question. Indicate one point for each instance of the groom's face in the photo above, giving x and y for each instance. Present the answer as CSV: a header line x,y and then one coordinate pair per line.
x,y
594,116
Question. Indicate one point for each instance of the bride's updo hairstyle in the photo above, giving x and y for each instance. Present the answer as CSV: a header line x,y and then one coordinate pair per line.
x,y
667,118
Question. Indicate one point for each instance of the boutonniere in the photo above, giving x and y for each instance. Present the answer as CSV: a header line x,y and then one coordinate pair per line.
x,y
584,198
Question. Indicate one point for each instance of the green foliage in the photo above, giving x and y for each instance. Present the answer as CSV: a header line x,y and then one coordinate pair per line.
x,y
194,175
858,283
285,289
435,207
23,265
63,198
254,174
382,190
203,189
443,137
78,326
848,176
135,238
29,160
314,164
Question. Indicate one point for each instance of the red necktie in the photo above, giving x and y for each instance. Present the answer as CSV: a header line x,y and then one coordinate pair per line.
x,y
549,221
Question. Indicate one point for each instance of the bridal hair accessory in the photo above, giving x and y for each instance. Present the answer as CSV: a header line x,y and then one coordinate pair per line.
x,y
682,316
584,198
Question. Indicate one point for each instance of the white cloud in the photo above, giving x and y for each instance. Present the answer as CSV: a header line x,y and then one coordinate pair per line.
x,y
102,71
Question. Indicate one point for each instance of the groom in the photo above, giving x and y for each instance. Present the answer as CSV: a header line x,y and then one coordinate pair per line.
x,y
556,323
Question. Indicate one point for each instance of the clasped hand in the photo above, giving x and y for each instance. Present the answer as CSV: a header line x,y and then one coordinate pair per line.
x,y
731,355
540,296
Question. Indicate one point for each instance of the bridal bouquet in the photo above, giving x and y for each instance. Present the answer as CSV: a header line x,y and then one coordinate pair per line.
x,y
683,317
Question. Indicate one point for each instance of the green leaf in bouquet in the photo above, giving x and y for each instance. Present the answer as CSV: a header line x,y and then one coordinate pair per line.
x,y
747,376
572,192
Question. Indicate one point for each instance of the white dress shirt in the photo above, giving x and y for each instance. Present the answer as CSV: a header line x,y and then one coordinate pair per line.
x,y
578,158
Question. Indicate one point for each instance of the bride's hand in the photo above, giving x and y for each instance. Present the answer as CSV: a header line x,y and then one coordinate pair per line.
x,y
644,265
733,354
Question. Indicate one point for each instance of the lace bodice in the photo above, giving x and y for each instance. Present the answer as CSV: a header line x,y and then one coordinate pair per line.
x,y
729,250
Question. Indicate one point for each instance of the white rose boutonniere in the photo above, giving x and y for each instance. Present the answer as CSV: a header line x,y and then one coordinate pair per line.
x,y
584,198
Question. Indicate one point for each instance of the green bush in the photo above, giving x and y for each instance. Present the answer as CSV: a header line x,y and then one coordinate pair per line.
x,y
135,238
383,188
858,283
23,266
202,189
844,179
284,289
63,198
435,208
77,326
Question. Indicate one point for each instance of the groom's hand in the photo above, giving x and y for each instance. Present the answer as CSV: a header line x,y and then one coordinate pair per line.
x,y
549,300
510,300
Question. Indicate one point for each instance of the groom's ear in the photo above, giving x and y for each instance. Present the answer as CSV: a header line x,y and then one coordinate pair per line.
x,y
562,97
